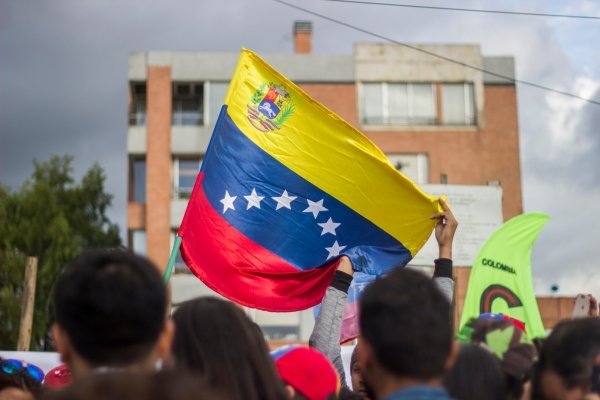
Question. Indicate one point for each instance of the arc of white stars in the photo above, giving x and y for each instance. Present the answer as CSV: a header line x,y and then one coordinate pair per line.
x,y
329,227
334,250
253,199
284,201
315,207
227,202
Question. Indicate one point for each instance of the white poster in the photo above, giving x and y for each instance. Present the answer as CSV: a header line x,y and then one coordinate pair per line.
x,y
478,210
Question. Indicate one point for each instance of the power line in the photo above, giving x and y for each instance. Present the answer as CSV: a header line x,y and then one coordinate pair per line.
x,y
451,60
531,14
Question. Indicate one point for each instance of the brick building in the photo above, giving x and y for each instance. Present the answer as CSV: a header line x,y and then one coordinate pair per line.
x,y
438,121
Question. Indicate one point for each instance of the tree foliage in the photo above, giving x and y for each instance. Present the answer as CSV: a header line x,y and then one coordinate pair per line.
x,y
53,218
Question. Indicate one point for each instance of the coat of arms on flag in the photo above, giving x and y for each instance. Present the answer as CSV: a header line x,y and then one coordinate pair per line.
x,y
269,107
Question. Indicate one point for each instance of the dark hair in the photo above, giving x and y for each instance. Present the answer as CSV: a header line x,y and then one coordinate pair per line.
x,y
347,394
570,352
112,304
406,321
128,385
215,338
476,375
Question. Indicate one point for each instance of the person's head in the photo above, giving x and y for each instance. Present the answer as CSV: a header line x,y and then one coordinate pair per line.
x,y
509,343
133,385
569,363
308,374
216,339
476,375
111,311
358,383
405,330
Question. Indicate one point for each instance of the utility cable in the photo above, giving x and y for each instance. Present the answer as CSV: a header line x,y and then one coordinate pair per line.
x,y
531,14
442,57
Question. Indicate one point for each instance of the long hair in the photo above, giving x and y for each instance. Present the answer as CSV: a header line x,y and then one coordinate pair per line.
x,y
216,339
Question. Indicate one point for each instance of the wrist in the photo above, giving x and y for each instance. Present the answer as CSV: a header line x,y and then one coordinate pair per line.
x,y
345,266
445,252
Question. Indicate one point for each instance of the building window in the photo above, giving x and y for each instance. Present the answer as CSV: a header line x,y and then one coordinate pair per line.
x,y
458,104
188,101
387,103
137,183
186,171
137,110
413,166
137,242
274,332
216,99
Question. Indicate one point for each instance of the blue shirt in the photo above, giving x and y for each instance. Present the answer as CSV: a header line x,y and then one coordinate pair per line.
x,y
420,393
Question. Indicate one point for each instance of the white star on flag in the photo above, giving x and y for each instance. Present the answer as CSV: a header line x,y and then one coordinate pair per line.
x,y
228,202
334,250
253,199
315,207
329,227
284,200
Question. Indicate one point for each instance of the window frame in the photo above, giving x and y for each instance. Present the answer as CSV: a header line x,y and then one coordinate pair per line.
x,y
470,119
138,116
176,159
385,104
177,118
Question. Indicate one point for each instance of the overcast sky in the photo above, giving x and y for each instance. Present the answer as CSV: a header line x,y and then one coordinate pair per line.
x,y
63,89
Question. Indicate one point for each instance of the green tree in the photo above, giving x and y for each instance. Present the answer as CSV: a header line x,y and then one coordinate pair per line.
x,y
53,218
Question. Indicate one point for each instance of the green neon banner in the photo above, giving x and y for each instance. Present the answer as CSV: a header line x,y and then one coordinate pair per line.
x,y
501,280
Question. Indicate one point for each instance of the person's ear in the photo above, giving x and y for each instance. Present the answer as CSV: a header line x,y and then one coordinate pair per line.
x,y
452,355
62,343
165,341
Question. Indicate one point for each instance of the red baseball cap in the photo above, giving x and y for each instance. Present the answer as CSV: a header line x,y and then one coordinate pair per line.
x,y
308,371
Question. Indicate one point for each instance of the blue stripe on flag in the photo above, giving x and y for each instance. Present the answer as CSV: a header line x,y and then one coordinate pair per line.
x,y
285,213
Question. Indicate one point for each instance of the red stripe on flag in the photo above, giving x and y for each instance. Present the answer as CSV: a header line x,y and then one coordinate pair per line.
x,y
241,270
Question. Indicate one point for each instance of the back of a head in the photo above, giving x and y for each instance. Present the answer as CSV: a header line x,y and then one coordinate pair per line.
x,y
509,343
215,338
406,322
571,352
128,385
112,305
476,375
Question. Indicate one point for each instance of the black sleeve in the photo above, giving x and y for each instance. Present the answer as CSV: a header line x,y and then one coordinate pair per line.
x,y
341,281
443,268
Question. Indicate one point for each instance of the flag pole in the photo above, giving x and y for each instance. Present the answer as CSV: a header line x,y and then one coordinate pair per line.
x,y
172,258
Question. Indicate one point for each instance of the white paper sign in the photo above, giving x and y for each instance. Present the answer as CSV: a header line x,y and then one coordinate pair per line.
x,y
478,210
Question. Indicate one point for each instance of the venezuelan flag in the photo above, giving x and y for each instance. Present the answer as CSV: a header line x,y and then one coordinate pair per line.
x,y
285,188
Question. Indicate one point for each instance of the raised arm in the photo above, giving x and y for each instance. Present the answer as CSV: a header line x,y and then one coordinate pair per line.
x,y
325,336
444,234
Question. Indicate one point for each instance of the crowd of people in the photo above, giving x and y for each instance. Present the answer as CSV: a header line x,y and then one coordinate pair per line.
x,y
118,340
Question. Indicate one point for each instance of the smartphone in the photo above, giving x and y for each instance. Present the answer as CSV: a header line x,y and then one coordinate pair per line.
x,y
582,306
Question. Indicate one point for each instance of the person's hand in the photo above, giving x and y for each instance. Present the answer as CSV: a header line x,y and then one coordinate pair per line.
x,y
345,265
445,229
593,310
